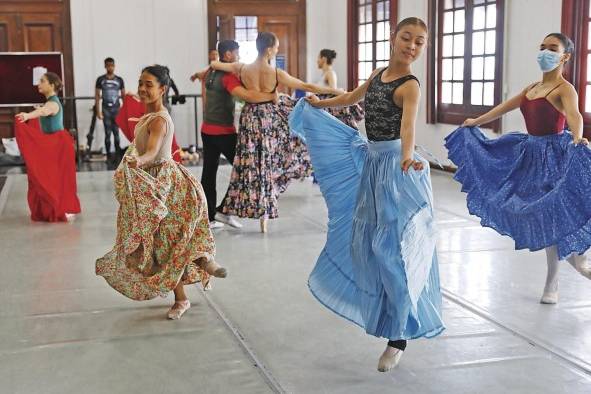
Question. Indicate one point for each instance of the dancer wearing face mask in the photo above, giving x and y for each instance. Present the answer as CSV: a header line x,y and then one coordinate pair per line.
x,y
533,187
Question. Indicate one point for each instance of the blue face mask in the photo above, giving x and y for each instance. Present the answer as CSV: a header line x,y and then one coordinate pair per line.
x,y
548,60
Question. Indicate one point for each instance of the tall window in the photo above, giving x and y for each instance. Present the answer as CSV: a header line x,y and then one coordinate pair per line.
x,y
370,22
576,23
245,33
469,58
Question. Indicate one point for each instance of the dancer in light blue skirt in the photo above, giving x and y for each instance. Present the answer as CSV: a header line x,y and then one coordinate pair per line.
x,y
379,266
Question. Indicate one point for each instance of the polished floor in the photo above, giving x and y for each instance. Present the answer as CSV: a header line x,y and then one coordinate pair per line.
x,y
63,330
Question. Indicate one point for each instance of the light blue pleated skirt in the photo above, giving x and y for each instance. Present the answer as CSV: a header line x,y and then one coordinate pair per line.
x,y
379,266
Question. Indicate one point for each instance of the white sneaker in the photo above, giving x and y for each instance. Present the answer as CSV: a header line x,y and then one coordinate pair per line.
x,y
215,224
229,220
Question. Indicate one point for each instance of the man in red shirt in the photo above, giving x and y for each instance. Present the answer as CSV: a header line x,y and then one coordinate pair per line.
x,y
218,131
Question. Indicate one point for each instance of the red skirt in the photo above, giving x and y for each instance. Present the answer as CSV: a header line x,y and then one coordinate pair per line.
x,y
51,171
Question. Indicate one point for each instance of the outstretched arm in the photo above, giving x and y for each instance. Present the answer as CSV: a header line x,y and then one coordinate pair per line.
x,y
227,67
346,99
294,83
48,109
498,111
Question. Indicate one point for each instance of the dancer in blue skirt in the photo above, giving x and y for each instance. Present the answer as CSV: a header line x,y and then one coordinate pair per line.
x,y
379,266
533,187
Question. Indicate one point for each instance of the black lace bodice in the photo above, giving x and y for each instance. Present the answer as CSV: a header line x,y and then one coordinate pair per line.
x,y
382,116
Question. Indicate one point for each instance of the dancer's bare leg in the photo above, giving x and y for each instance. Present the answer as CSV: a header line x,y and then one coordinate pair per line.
x,y
581,264
551,289
181,303
212,268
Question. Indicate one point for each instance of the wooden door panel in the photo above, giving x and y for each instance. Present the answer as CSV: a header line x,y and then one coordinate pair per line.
x,y
9,33
42,32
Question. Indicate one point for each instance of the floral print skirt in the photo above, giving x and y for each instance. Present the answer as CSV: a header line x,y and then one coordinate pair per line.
x,y
267,158
162,229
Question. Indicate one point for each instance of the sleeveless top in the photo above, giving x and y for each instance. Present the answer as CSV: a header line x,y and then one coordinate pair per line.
x,y
142,135
382,116
51,124
322,80
541,117
220,104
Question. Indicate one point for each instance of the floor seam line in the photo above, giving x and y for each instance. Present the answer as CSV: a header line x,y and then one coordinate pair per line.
x,y
268,377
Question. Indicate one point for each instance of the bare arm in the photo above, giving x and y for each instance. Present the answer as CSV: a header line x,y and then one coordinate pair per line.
x,y
498,111
294,83
227,67
48,109
574,118
200,75
411,97
122,93
346,99
252,96
157,130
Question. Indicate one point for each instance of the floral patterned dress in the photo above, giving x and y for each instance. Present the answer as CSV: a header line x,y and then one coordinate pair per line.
x,y
267,158
162,224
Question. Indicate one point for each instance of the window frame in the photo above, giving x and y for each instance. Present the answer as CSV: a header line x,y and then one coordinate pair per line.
x,y
438,112
575,24
353,36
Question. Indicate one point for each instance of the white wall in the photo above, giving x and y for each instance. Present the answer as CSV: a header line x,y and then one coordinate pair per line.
x,y
327,28
522,38
138,33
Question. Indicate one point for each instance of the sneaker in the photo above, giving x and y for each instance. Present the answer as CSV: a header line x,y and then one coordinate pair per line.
x,y
215,224
229,220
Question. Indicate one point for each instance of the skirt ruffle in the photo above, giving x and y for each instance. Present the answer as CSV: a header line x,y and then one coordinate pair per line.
x,y
533,189
379,267
162,230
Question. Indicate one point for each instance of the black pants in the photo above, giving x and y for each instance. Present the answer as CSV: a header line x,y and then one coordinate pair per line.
x,y
109,115
213,147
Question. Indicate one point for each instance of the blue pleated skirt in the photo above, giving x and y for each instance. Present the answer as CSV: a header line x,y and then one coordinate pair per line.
x,y
534,189
379,266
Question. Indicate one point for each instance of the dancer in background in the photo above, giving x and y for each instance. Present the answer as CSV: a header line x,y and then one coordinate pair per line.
x,y
348,115
108,90
163,238
218,132
379,266
267,157
533,187
50,157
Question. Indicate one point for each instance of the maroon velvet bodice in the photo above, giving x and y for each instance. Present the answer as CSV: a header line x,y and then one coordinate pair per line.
x,y
541,117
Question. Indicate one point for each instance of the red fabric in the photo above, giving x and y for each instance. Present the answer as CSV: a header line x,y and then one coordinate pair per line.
x,y
231,82
214,129
541,117
51,171
130,113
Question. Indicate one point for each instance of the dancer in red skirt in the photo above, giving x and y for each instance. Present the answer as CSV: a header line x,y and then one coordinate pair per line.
x,y
48,151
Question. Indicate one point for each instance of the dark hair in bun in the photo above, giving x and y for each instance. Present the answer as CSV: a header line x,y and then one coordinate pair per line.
x,y
265,40
329,54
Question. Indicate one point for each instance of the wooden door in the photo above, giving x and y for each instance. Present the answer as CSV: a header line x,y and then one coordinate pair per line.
x,y
286,30
36,26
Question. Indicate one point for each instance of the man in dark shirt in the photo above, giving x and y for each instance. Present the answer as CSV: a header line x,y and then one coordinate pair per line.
x,y
109,87
217,131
